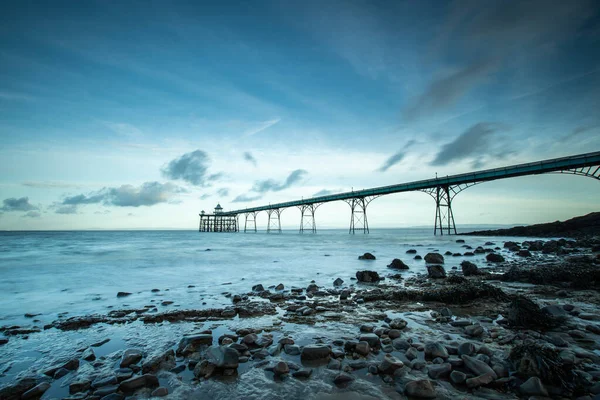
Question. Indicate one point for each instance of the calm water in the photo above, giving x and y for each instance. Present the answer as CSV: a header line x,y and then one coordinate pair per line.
x,y
81,272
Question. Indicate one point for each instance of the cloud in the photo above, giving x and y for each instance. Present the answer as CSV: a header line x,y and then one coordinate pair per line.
x,y
396,158
192,168
446,91
271,185
205,196
68,209
580,130
245,198
83,199
325,192
32,214
49,185
223,192
21,204
475,143
261,127
250,158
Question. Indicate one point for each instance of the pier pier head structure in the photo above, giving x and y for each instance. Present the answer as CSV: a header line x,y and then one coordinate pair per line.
x,y
442,190
218,222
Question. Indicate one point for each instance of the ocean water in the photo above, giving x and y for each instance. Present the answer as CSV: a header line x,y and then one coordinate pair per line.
x,y
80,272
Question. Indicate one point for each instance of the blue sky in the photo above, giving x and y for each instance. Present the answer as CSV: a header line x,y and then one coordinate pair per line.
x,y
140,114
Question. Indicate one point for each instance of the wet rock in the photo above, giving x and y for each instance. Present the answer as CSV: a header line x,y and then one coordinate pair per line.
x,y
123,374
161,361
435,349
130,356
525,313
123,294
334,364
439,370
258,288
79,386
367,256
401,344
88,355
397,264
411,251
338,282
222,357
533,387
281,368
458,377
104,381
160,392
313,352
478,367
100,343
36,392
303,373
362,348
394,334
367,276
291,349
420,389
481,380
189,344
524,253
474,330
418,257
398,323
467,348
279,287
411,353
343,378
469,268
436,271
371,338
138,382
70,365
434,258
493,257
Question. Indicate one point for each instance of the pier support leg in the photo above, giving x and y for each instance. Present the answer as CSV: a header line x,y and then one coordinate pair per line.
x,y
274,222
307,218
444,218
252,218
358,214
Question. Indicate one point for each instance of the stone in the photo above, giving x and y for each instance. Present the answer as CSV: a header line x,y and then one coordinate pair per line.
x,y
411,353
250,339
398,323
367,256
436,271
165,360
417,257
478,367
469,268
389,364
280,287
438,371
222,357
371,338
258,288
474,330
434,258
411,251
113,396
493,257
524,253
123,294
397,264
401,344
467,348
160,392
481,380
420,389
338,282
533,387
79,386
303,373
106,390
435,349
123,374
362,348
394,334
367,276
458,377
343,378
188,344
88,355
291,349
138,382
281,368
130,356
36,392
313,352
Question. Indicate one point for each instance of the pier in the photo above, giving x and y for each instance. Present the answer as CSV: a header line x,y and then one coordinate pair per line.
x,y
218,222
442,190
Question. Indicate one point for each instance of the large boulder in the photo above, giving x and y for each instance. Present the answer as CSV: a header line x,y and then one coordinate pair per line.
x,y
435,349
420,389
469,268
434,258
188,344
367,276
478,367
494,257
138,382
130,356
367,256
436,271
222,357
397,264
315,352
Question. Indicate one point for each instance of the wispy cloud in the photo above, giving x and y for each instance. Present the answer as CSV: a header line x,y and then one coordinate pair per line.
x,y
326,192
15,96
20,204
271,185
125,129
50,185
261,126
205,196
32,214
477,143
223,192
192,168
396,158
250,158
66,209
246,198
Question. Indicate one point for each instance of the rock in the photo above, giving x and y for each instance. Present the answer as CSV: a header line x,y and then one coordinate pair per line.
x,y
314,352
104,381
222,357
88,355
113,396
138,382
436,271
303,373
525,313
401,344
467,348
362,348
367,256
371,338
524,253
474,330
36,392
481,380
250,339
478,367
367,276
411,353
258,288
394,334
458,377
162,361
398,323
389,364
279,287
411,251
397,264
338,282
106,390
435,349
130,356
123,374
446,312
533,387
493,257
469,268
291,349
160,392
343,378
188,344
420,389
417,257
281,368
79,386
204,369
434,258
123,294
437,371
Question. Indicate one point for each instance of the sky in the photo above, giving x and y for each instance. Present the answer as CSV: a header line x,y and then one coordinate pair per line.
x,y
140,114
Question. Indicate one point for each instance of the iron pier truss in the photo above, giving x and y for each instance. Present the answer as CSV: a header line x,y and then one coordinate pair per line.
x,y
442,190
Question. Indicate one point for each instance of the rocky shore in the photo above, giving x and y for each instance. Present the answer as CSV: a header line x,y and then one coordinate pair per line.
x,y
524,324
